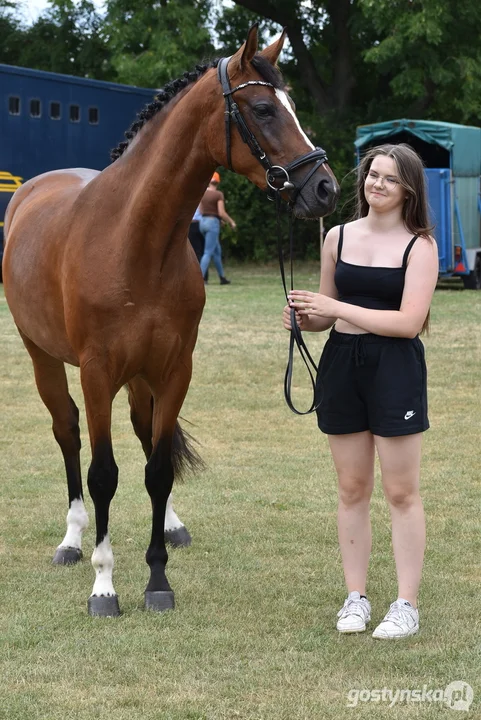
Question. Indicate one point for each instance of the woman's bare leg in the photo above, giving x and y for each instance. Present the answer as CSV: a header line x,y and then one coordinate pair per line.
x,y
353,456
400,459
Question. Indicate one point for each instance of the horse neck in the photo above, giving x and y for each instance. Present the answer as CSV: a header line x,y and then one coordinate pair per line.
x,y
163,174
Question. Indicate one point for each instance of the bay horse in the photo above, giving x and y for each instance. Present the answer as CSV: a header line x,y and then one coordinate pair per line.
x,y
99,273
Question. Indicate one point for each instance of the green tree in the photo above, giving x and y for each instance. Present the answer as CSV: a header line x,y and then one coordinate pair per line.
x,y
66,38
429,53
11,33
231,25
152,43
325,49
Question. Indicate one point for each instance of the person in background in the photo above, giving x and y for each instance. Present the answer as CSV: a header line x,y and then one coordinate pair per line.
x,y
213,210
195,236
378,277
197,239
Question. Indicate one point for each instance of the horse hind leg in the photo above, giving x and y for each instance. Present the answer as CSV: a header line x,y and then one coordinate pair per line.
x,y
175,532
141,414
52,386
163,464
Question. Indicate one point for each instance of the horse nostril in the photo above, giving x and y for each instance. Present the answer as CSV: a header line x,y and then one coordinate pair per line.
x,y
324,189
327,192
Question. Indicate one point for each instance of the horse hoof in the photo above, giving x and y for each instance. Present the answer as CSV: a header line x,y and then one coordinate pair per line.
x,y
103,606
159,600
180,537
67,556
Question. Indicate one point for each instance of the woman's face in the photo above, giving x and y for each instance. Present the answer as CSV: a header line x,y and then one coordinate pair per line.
x,y
382,186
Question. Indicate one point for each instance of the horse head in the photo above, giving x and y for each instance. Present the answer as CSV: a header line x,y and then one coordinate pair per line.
x,y
263,139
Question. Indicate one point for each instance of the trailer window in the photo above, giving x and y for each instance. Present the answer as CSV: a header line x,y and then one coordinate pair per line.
x,y
75,113
93,116
35,108
14,105
55,111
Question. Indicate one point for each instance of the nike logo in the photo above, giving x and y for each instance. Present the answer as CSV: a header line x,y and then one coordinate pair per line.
x,y
409,414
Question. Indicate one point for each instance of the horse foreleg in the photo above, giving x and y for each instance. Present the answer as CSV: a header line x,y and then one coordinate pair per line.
x,y
102,483
141,414
159,477
52,386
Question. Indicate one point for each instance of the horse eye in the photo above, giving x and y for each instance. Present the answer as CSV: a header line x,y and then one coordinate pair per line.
x,y
263,110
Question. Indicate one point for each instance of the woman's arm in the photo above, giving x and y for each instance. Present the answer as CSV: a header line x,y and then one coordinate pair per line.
x,y
327,287
421,277
223,214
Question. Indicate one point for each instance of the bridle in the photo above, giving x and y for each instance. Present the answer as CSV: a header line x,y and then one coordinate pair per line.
x,y
274,173
278,180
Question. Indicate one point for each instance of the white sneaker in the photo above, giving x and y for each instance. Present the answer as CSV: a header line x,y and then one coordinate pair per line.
x,y
401,621
354,614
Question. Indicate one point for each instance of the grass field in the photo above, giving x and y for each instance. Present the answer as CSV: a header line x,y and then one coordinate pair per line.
x,y
253,635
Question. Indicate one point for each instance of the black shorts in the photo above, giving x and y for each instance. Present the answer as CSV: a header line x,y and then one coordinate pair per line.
x,y
371,382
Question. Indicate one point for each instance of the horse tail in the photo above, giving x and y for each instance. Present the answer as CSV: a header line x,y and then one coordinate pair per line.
x,y
185,457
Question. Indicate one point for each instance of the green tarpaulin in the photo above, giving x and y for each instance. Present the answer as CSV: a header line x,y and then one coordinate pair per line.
x,y
463,142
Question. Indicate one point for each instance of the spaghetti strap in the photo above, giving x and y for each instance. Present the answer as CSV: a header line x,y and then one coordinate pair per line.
x,y
339,244
408,250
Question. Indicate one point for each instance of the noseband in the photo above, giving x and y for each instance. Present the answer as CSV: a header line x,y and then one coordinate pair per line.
x,y
278,180
277,176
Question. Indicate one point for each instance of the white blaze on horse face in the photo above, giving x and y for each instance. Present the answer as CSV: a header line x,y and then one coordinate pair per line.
x,y
103,564
77,522
171,521
285,101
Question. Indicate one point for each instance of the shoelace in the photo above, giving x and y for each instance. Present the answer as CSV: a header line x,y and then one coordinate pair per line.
x,y
354,607
398,614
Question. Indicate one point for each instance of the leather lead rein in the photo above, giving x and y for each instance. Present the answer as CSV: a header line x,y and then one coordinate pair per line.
x,y
274,173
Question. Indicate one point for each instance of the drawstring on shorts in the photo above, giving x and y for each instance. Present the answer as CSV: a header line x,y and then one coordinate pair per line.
x,y
358,351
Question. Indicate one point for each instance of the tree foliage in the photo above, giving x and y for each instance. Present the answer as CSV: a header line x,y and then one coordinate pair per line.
x,y
11,36
66,38
431,55
151,43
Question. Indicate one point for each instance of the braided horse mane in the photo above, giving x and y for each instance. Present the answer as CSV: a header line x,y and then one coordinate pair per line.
x,y
164,96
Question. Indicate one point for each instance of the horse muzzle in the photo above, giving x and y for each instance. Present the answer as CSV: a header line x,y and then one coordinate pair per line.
x,y
311,197
307,184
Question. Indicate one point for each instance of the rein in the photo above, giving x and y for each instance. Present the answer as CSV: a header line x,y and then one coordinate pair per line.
x,y
278,180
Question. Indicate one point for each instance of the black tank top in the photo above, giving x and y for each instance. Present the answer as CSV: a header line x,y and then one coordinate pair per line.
x,y
376,288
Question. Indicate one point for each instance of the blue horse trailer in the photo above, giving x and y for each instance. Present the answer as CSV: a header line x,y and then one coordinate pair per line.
x,y
50,121
452,158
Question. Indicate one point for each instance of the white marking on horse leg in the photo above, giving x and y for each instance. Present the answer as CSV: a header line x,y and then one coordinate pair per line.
x,y
285,101
171,521
103,564
77,522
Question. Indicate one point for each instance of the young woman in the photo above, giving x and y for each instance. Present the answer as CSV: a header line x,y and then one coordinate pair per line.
x,y
377,280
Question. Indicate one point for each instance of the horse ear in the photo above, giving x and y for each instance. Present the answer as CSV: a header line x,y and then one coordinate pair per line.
x,y
271,52
245,54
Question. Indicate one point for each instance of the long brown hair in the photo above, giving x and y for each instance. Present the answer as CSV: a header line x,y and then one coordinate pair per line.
x,y
410,168
415,212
